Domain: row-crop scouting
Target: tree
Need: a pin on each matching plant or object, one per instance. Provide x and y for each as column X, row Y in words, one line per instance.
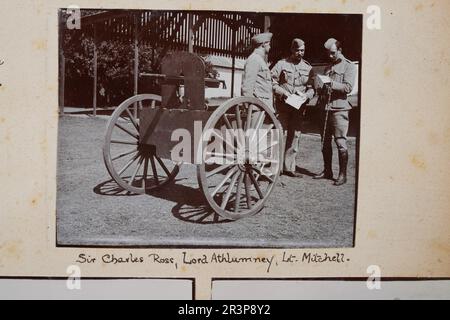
column 115, row 63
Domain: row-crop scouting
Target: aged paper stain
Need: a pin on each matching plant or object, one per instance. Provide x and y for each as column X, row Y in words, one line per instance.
column 447, row 134
column 35, row 200
column 11, row 250
column 40, row 44
column 418, row 161
column 441, row 247
column 44, row 146
column 420, row 123
column 372, row 234
column 387, row 72
column 419, row 7
column 289, row 8
column 433, row 138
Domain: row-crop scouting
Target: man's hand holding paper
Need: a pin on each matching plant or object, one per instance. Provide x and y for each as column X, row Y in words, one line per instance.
column 296, row 100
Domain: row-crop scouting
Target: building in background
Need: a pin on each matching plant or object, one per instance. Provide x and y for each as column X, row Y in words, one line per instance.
column 224, row 67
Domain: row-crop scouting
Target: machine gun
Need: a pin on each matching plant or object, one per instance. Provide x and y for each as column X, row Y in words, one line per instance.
column 183, row 81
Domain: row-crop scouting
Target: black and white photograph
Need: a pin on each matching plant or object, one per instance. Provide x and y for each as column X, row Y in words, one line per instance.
column 199, row 129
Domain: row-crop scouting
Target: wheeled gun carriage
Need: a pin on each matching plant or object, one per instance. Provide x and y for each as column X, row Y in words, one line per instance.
column 236, row 146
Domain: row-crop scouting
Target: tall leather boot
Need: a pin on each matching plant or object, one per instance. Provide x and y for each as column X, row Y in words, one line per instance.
column 327, row 173
column 343, row 161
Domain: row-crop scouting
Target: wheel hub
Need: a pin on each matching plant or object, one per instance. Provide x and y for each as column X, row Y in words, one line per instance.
column 147, row 150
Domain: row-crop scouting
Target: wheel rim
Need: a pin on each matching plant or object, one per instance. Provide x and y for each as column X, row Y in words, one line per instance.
column 237, row 181
column 134, row 166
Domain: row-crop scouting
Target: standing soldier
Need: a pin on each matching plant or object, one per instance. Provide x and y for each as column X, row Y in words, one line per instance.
column 257, row 80
column 293, row 75
column 342, row 77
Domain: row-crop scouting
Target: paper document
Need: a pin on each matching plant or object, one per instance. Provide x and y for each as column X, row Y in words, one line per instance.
column 296, row 101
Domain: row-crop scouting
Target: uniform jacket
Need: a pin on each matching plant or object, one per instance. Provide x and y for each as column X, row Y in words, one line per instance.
column 289, row 77
column 257, row 79
column 343, row 77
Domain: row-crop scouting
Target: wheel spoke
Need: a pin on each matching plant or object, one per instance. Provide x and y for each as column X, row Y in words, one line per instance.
column 133, row 119
column 234, row 129
column 124, row 142
column 266, row 132
column 264, row 136
column 155, row 173
column 220, row 185
column 221, row 156
column 144, row 177
column 258, row 125
column 240, row 128
column 161, row 163
column 229, row 190
column 218, row 170
column 233, row 149
column 127, row 131
column 260, row 120
column 238, row 192
column 216, row 160
column 128, row 164
column 248, row 125
column 255, row 183
column 227, row 122
column 238, row 117
column 248, row 195
column 269, row 161
column 259, row 172
column 273, row 144
column 133, row 177
column 124, row 155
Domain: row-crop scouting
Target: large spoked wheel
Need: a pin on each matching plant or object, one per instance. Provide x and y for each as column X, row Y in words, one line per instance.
column 242, row 149
column 134, row 166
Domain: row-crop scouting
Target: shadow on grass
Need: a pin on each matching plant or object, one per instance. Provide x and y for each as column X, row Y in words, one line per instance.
column 112, row 189
column 190, row 203
column 305, row 172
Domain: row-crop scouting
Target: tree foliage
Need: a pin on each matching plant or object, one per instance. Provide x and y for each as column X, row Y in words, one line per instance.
column 115, row 63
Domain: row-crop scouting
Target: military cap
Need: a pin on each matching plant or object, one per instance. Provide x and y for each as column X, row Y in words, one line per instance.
column 297, row 43
column 261, row 38
column 330, row 43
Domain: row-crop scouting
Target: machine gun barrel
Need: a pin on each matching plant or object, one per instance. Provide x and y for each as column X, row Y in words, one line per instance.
column 179, row 80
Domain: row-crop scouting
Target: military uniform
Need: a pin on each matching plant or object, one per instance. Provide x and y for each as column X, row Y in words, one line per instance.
column 290, row 77
column 334, row 100
column 343, row 76
column 257, row 80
